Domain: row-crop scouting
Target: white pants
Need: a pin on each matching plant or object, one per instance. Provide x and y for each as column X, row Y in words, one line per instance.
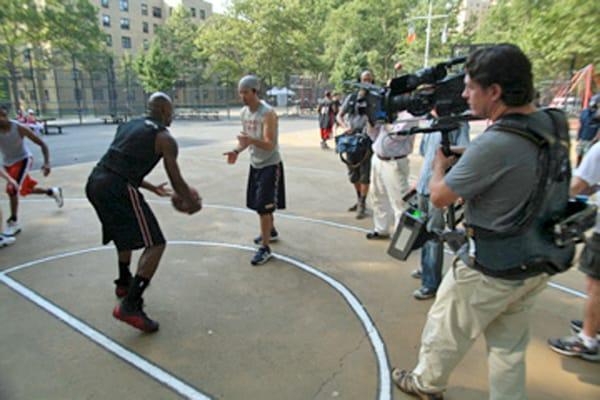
column 389, row 182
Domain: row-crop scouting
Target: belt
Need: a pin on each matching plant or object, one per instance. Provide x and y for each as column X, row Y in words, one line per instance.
column 390, row 158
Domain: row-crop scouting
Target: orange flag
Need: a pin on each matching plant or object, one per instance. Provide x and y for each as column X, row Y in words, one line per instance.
column 411, row 35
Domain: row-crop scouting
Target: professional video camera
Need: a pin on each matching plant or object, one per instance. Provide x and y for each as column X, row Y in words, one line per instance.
column 417, row 93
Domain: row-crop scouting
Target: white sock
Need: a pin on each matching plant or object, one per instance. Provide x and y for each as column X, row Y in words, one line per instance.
column 590, row 342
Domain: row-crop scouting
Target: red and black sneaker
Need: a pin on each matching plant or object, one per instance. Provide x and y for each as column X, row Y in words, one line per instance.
column 122, row 287
column 135, row 316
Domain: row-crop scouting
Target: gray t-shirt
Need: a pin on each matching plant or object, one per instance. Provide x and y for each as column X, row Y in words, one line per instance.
column 496, row 176
column 253, row 125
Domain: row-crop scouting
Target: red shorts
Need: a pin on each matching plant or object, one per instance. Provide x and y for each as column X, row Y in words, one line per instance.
column 19, row 171
column 326, row 133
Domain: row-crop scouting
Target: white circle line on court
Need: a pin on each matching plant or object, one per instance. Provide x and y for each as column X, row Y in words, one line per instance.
column 377, row 344
column 554, row 285
column 150, row 369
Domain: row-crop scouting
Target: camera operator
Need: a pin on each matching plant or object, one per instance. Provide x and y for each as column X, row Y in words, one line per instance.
column 389, row 173
column 354, row 109
column 495, row 176
column 585, row 343
column 432, row 253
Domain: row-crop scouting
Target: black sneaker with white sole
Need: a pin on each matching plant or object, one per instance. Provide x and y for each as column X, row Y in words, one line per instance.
column 577, row 326
column 274, row 237
column 263, row 254
column 573, row 346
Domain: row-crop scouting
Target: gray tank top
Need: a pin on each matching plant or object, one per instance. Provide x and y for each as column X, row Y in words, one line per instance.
column 252, row 123
column 12, row 145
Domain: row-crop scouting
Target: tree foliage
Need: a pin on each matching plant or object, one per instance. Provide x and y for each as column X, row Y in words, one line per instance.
column 552, row 33
column 155, row 69
column 176, row 40
column 272, row 39
column 52, row 26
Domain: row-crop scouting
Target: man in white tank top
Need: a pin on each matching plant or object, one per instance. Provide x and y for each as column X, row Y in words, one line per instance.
column 17, row 161
column 266, row 190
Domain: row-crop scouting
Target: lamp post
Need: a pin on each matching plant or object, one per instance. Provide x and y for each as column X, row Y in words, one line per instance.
column 429, row 17
column 27, row 54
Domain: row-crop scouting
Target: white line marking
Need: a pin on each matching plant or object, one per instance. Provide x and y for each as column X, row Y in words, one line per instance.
column 113, row 347
column 566, row 289
column 283, row 215
column 384, row 381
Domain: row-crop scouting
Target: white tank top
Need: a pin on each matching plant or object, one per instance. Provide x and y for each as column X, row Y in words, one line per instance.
column 12, row 145
column 252, row 123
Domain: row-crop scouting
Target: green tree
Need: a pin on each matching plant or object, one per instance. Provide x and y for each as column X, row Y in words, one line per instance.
column 273, row 39
column 155, row 70
column 352, row 60
column 379, row 29
column 176, row 38
column 550, row 32
column 71, row 27
column 222, row 43
column 20, row 23
column 68, row 28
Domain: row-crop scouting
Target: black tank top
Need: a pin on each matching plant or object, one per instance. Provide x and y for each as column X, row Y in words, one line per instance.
column 132, row 153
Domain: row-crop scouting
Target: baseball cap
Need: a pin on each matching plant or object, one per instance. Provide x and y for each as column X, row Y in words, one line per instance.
column 249, row 82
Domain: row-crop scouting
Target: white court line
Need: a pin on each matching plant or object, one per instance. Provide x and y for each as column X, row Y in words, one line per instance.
column 283, row 215
column 104, row 341
column 566, row 289
column 384, row 380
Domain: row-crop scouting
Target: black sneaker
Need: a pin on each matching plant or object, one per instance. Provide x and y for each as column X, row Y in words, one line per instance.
column 577, row 326
column 574, row 346
column 135, row 316
column 353, row 208
column 417, row 273
column 274, row 237
column 377, row 235
column 263, row 254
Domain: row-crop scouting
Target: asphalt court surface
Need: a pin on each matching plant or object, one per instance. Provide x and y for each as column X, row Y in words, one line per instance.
column 321, row 321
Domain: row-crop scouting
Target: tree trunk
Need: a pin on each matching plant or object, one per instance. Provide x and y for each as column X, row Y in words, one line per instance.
column 10, row 63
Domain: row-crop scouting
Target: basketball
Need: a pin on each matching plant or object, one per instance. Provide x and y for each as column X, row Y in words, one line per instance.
column 181, row 205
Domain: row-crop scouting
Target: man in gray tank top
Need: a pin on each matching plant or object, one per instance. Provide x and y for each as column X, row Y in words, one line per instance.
column 17, row 161
column 266, row 190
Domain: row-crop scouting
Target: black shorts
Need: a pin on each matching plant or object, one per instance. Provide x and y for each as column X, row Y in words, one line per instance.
column 589, row 262
column 126, row 218
column 362, row 172
column 266, row 189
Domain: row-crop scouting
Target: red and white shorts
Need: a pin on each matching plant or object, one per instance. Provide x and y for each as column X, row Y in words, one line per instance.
column 19, row 171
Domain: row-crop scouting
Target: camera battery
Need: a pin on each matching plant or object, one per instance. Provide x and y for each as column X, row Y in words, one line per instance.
column 410, row 234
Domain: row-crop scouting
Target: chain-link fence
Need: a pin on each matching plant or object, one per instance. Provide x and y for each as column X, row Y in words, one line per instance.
column 111, row 90
column 114, row 90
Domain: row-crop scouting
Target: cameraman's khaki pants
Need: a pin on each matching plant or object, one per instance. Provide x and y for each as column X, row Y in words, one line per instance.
column 468, row 304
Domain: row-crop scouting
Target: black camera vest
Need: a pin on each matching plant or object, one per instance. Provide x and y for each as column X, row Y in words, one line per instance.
column 528, row 248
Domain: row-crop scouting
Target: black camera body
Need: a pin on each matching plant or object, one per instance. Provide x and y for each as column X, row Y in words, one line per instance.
column 418, row 93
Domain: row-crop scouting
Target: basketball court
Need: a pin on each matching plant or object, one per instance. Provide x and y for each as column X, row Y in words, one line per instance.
column 327, row 318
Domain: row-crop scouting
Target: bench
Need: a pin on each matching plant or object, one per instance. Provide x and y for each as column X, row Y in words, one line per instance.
column 47, row 128
column 209, row 115
column 114, row 119
column 195, row 114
